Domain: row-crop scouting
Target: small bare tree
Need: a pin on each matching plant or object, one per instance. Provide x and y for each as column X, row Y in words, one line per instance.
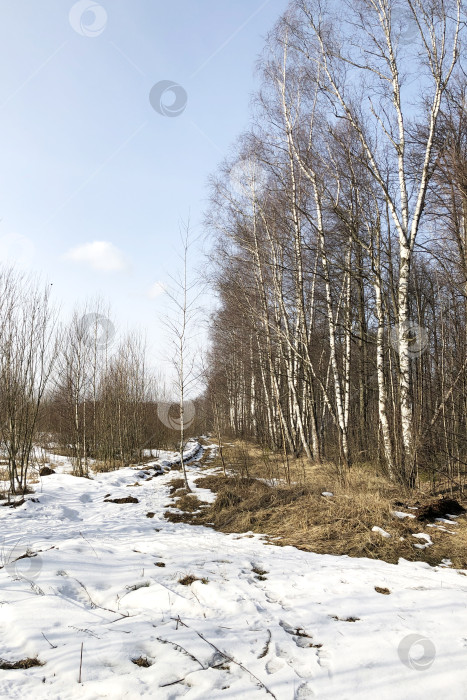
column 181, row 322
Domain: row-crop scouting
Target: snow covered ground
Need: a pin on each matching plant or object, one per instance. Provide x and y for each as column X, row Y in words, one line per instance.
column 261, row 621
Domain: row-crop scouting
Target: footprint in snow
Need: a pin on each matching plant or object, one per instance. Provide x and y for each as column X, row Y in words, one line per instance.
column 70, row 513
column 302, row 665
column 85, row 498
column 304, row 691
column 73, row 591
column 274, row 665
column 323, row 660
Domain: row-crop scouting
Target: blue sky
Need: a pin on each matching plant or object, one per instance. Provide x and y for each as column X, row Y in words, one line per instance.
column 94, row 181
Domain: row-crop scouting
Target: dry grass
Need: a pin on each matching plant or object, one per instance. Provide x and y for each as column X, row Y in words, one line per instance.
column 176, row 484
column 185, row 502
column 104, row 467
column 300, row 516
column 21, row 664
column 188, row 580
column 128, row 499
column 142, row 662
column 188, row 503
column 383, row 591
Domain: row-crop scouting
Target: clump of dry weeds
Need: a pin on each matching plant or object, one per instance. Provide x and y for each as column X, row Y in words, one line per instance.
column 21, row 664
column 189, row 579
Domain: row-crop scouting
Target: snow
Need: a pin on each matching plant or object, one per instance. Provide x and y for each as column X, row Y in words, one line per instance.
column 423, row 536
column 400, row 514
column 446, row 520
column 166, row 459
column 327, row 493
column 382, row 532
column 307, row 626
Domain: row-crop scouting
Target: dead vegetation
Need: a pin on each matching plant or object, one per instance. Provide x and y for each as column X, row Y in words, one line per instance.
column 142, row 662
column 189, row 579
column 21, row 664
column 383, row 591
column 185, row 502
column 439, row 509
column 176, row 485
column 128, row 499
column 256, row 497
column 46, row 471
column 103, row 467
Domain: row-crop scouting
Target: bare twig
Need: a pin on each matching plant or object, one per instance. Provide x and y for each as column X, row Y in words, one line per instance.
column 54, row 646
column 80, row 663
column 226, row 656
column 178, row 647
column 266, row 647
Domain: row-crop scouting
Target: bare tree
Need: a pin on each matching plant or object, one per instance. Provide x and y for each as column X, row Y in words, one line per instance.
column 181, row 324
column 28, row 348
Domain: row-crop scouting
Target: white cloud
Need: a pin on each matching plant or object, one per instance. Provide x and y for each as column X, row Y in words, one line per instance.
column 156, row 290
column 100, row 255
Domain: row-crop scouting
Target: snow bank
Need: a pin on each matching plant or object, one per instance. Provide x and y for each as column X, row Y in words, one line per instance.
column 257, row 621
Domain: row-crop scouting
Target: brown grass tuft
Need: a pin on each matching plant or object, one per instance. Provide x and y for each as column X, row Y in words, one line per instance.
column 21, row 664
column 188, row 580
column 142, row 662
column 176, row 484
column 128, row 499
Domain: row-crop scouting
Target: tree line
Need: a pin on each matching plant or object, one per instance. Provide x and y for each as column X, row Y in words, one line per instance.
column 75, row 388
column 340, row 243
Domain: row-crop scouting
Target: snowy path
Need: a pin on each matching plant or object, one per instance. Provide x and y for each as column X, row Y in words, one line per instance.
column 288, row 626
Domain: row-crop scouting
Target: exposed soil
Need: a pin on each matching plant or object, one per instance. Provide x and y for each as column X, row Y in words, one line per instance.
column 439, row 509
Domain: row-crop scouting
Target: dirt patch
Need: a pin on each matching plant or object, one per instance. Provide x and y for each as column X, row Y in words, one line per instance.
column 128, row 499
column 150, row 515
column 439, row 509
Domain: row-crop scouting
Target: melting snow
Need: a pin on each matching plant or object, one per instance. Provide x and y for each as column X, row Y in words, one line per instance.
column 105, row 578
